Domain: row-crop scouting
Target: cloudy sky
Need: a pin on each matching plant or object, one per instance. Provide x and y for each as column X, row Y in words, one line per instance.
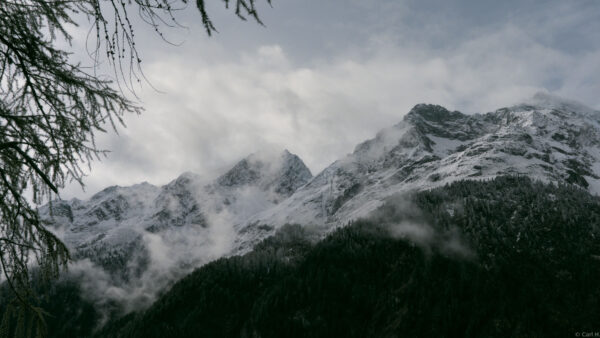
column 323, row 76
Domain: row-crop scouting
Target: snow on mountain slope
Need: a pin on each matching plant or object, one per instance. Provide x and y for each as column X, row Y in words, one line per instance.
column 140, row 233
column 547, row 138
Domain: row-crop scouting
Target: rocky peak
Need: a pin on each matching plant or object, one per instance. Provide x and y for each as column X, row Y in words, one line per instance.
column 283, row 172
column 439, row 121
column 432, row 113
column 104, row 193
column 185, row 181
column 292, row 174
column 244, row 172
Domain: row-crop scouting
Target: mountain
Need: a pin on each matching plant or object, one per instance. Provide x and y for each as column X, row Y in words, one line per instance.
column 507, row 257
column 497, row 210
column 546, row 138
column 143, row 233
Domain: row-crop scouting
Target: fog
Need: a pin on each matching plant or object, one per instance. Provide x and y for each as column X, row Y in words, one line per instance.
column 202, row 223
column 404, row 220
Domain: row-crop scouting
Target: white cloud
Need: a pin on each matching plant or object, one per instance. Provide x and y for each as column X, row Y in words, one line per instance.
column 213, row 111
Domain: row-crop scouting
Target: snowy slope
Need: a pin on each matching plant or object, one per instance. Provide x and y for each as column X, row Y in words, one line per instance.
column 547, row 138
column 143, row 232
column 188, row 221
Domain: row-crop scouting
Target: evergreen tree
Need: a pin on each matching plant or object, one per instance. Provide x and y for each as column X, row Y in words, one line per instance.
column 50, row 110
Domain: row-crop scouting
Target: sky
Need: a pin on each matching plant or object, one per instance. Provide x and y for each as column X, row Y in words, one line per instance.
column 323, row 76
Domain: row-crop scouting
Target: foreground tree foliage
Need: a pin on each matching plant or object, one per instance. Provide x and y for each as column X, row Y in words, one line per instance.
column 502, row 258
column 50, row 109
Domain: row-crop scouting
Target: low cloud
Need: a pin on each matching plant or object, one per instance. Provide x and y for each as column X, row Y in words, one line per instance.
column 157, row 256
column 403, row 219
column 449, row 243
column 163, row 259
column 421, row 234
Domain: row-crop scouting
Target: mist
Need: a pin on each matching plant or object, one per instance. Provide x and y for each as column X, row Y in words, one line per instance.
column 160, row 234
column 404, row 220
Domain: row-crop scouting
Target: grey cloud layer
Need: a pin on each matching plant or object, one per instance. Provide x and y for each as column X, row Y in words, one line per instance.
column 251, row 87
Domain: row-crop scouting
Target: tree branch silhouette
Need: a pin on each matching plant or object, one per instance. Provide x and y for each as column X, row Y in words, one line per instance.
column 50, row 111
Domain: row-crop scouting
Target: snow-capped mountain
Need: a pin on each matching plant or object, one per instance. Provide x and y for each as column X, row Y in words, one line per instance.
column 117, row 227
column 143, row 229
column 547, row 138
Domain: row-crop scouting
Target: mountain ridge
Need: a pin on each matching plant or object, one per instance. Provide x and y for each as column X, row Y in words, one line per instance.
column 433, row 146
column 545, row 138
column 187, row 221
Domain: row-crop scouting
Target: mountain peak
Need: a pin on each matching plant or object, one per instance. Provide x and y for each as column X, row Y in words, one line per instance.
column 293, row 174
column 282, row 171
column 244, row 172
column 432, row 113
column 105, row 192
column 430, row 119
